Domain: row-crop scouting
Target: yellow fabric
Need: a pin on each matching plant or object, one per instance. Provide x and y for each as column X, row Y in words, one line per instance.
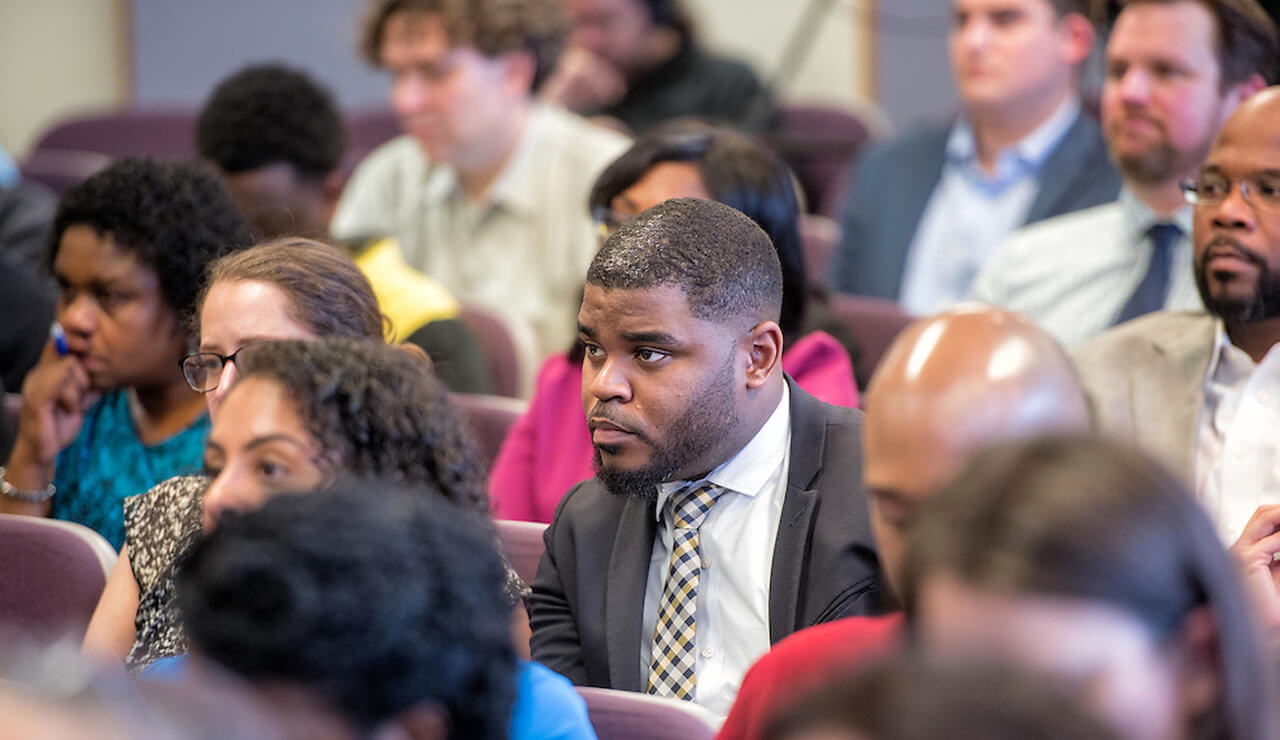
column 407, row 297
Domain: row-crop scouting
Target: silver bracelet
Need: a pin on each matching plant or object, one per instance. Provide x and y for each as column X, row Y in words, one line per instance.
column 32, row 497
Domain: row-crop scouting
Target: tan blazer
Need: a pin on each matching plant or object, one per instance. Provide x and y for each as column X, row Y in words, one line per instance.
column 1145, row 383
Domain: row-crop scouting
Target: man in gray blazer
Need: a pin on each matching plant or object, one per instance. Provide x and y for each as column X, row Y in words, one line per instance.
column 1202, row 391
column 925, row 210
column 727, row 509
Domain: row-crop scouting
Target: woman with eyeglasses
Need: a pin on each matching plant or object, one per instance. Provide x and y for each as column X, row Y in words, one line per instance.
column 548, row 449
column 105, row 412
column 286, row 289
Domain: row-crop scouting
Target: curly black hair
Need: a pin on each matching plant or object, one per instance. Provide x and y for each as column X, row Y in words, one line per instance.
column 379, row 410
column 269, row 113
column 174, row 217
column 376, row 597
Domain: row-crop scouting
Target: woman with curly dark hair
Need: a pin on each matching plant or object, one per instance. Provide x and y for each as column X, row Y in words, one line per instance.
column 105, row 414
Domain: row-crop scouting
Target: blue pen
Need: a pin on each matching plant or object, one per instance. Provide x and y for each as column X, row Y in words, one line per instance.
column 59, row 338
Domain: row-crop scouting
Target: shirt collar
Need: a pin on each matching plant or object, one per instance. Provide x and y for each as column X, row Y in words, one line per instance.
column 1031, row 150
column 749, row 471
column 1234, row 362
column 1139, row 218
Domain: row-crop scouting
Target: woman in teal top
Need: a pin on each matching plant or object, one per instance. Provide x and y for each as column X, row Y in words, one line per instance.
column 106, row 413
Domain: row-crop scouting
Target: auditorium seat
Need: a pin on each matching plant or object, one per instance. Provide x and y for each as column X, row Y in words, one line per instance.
column 627, row 715
column 820, row 141
column 500, row 346
column 874, row 323
column 523, row 545
column 490, row 417
column 51, row 576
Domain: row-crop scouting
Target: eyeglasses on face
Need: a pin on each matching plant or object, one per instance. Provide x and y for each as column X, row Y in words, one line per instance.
column 203, row 370
column 1212, row 188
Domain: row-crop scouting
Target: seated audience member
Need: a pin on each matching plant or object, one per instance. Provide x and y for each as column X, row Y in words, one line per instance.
column 26, row 213
column 1176, row 69
column 107, row 414
column 913, row 699
column 1198, row 390
column 1085, row 560
column 277, row 137
column 485, row 190
column 27, row 313
column 638, row 62
column 288, row 289
column 314, row 408
column 411, row 634
column 948, row 386
column 927, row 210
column 549, row 448
column 727, row 509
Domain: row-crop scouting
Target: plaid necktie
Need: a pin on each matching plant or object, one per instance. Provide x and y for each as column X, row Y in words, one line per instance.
column 672, row 662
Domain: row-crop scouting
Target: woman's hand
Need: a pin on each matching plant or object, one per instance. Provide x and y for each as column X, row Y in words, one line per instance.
column 55, row 396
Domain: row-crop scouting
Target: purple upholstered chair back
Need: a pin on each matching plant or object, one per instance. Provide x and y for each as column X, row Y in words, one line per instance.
column 523, row 545
column 874, row 322
column 819, row 141
column 499, row 346
column 625, row 715
column 51, row 575
column 367, row 129
column 490, row 417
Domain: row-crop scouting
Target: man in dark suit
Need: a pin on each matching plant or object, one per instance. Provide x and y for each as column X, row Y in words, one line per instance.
column 728, row 509
column 926, row 210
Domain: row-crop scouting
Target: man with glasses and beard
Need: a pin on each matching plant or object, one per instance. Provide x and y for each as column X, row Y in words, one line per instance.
column 1203, row 391
column 727, row 509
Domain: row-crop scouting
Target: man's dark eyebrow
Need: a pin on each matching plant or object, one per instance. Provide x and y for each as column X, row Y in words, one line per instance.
column 650, row 337
column 586, row 331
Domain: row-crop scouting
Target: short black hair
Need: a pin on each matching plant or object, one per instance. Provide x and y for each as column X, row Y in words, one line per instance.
column 379, row 410
column 174, row 217
column 722, row 260
column 376, row 597
column 737, row 171
column 270, row 113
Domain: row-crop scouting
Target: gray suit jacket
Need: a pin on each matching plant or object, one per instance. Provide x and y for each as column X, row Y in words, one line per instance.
column 892, row 183
column 588, row 597
column 1145, row 383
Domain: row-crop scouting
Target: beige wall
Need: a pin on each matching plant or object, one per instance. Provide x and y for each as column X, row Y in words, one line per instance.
column 56, row 57
column 838, row 66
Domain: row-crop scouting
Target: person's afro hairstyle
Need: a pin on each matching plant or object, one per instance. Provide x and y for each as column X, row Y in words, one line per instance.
column 270, row 113
column 376, row 410
column 173, row 217
column 374, row 596
column 720, row 258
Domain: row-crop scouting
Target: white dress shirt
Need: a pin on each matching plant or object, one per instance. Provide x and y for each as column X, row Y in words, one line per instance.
column 523, row 250
column 1237, row 445
column 1073, row 274
column 736, row 540
column 970, row 211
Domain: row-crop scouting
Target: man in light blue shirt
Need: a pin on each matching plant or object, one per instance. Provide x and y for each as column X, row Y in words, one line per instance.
column 927, row 209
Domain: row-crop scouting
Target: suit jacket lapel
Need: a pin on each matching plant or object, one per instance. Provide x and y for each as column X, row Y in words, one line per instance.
column 918, row 179
column 624, row 592
column 808, row 438
column 1167, row 392
column 1063, row 167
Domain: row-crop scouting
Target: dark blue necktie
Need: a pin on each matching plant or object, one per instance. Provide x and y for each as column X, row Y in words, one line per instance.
column 1153, row 290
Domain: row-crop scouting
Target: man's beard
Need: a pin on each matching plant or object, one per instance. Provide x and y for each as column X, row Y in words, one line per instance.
column 710, row 416
column 1265, row 302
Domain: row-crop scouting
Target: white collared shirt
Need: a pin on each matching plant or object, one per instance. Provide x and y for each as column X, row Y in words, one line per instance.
column 736, row 540
column 523, row 250
column 1237, row 445
column 970, row 212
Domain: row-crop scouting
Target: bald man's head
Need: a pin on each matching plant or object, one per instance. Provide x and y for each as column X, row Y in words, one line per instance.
column 950, row 385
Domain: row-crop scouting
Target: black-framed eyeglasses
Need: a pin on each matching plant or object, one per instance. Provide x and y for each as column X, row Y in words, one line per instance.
column 608, row 220
column 1211, row 188
column 203, row 370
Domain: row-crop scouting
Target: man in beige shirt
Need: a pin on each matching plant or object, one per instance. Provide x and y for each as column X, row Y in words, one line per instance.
column 487, row 189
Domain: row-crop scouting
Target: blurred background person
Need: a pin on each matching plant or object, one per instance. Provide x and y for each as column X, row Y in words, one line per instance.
column 1086, row 560
column 277, row 137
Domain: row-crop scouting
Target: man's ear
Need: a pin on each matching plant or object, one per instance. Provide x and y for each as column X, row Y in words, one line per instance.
column 425, row 721
column 1198, row 662
column 764, row 353
column 519, row 68
column 1077, row 38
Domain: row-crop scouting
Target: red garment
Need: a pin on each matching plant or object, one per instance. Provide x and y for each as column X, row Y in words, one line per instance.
column 803, row 662
column 548, row 449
